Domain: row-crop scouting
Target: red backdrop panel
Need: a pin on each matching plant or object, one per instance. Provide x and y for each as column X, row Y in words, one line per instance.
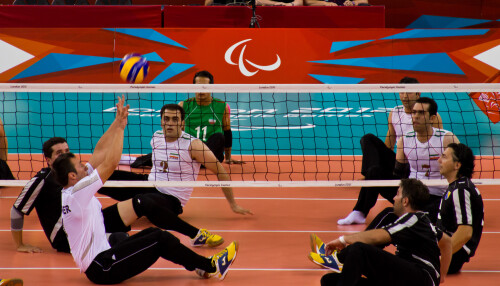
column 14, row 16
column 210, row 49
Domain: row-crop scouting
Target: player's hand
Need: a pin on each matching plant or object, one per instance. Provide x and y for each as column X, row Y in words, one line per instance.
column 240, row 210
column 122, row 111
column 348, row 3
column 330, row 4
column 232, row 161
column 29, row 249
column 333, row 245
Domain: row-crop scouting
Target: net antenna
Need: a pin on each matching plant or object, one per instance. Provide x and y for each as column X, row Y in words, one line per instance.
column 290, row 135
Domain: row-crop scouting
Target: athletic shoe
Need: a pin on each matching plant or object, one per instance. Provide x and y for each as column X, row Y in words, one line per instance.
column 221, row 261
column 326, row 261
column 204, row 237
column 317, row 245
column 11, row 282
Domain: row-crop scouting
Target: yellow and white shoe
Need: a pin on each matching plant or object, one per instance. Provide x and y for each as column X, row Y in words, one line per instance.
column 326, row 261
column 204, row 237
column 221, row 261
column 317, row 245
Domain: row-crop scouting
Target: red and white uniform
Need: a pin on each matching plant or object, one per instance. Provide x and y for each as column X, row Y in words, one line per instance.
column 172, row 162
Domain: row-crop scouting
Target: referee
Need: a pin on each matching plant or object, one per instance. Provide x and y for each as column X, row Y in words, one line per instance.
column 417, row 257
column 461, row 214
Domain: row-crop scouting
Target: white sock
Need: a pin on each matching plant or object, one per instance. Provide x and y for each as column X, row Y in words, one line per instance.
column 127, row 160
column 355, row 217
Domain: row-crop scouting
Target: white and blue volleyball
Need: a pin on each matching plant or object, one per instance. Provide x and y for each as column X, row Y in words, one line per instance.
column 134, row 68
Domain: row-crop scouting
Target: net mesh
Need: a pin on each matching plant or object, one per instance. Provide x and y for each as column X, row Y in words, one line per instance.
column 297, row 133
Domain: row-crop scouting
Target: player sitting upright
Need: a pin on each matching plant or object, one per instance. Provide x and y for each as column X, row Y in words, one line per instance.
column 103, row 261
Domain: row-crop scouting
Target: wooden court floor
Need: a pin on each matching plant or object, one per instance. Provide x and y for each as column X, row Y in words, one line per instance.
column 274, row 243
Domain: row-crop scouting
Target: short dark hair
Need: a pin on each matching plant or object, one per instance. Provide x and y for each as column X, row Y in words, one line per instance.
column 463, row 154
column 416, row 192
column 433, row 107
column 47, row 145
column 62, row 166
column 173, row 106
column 408, row 79
column 204, row 74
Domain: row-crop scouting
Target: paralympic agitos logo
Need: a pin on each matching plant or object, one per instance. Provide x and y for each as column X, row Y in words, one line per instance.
column 241, row 60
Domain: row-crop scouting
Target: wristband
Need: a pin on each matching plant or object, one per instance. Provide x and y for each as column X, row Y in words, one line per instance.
column 342, row 240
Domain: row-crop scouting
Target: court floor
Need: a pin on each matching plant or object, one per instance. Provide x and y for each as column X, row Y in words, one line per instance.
column 274, row 243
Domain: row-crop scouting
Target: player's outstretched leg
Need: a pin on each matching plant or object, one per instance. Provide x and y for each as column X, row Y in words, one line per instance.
column 222, row 261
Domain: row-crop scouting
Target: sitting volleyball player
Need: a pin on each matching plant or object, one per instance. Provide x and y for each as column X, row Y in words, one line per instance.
column 177, row 156
column 418, row 150
column 379, row 157
column 461, row 213
column 417, row 262
column 110, row 263
column 43, row 194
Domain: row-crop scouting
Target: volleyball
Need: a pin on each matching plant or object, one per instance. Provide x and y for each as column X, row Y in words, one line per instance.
column 134, row 68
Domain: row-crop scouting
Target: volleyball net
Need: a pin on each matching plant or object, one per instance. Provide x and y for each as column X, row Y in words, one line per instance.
column 288, row 135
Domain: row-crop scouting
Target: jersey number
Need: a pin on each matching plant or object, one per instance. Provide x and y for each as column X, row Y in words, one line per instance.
column 204, row 129
column 164, row 165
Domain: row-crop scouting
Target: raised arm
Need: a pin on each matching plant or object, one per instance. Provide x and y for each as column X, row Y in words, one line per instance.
column 200, row 152
column 113, row 150
column 101, row 148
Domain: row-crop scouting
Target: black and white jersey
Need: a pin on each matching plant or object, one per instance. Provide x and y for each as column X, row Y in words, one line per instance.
column 44, row 194
column 416, row 240
column 462, row 204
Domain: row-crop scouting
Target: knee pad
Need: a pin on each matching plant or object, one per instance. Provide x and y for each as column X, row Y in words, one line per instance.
column 117, row 237
column 366, row 138
column 112, row 220
column 136, row 203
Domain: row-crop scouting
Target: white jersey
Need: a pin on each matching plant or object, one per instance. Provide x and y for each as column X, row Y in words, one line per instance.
column 401, row 121
column 83, row 220
column 423, row 157
column 172, row 162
